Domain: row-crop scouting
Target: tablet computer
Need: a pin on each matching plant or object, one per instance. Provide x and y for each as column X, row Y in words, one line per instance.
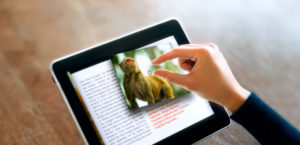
column 90, row 83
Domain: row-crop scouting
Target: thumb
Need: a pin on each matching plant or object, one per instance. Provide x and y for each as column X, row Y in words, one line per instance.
column 172, row 77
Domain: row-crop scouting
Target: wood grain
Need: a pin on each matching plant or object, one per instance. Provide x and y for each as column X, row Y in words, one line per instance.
column 259, row 39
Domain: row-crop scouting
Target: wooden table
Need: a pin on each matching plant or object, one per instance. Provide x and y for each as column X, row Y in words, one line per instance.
column 259, row 39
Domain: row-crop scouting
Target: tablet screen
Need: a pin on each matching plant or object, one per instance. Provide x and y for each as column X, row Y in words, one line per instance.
column 134, row 71
column 101, row 95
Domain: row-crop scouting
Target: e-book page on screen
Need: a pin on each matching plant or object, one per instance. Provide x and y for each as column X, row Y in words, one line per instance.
column 102, row 91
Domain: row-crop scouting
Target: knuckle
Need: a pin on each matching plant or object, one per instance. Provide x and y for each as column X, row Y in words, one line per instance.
column 213, row 46
column 176, row 50
column 204, row 50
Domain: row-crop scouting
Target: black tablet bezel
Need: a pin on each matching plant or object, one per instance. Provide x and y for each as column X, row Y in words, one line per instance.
column 102, row 52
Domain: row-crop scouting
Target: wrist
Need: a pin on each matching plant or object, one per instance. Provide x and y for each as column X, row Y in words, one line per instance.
column 236, row 99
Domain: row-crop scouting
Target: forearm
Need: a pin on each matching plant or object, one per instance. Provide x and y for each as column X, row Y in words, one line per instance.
column 267, row 126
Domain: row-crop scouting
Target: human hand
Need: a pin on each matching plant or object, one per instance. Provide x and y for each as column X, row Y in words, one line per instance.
column 209, row 74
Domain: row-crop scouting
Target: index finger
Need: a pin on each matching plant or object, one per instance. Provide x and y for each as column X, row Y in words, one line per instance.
column 180, row 52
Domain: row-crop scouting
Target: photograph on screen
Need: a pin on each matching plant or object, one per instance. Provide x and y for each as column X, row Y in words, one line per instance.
column 139, row 85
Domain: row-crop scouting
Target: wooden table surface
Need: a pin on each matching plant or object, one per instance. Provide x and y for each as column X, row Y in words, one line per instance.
column 260, row 39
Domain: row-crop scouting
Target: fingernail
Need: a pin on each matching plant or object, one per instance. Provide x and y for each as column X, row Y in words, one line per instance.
column 153, row 61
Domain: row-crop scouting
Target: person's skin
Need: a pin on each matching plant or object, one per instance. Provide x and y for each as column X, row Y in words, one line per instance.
column 209, row 74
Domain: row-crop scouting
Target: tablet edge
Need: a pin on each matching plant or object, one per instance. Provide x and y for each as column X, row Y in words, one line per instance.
column 67, row 103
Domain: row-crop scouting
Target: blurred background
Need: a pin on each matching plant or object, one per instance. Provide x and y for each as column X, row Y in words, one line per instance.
column 260, row 40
